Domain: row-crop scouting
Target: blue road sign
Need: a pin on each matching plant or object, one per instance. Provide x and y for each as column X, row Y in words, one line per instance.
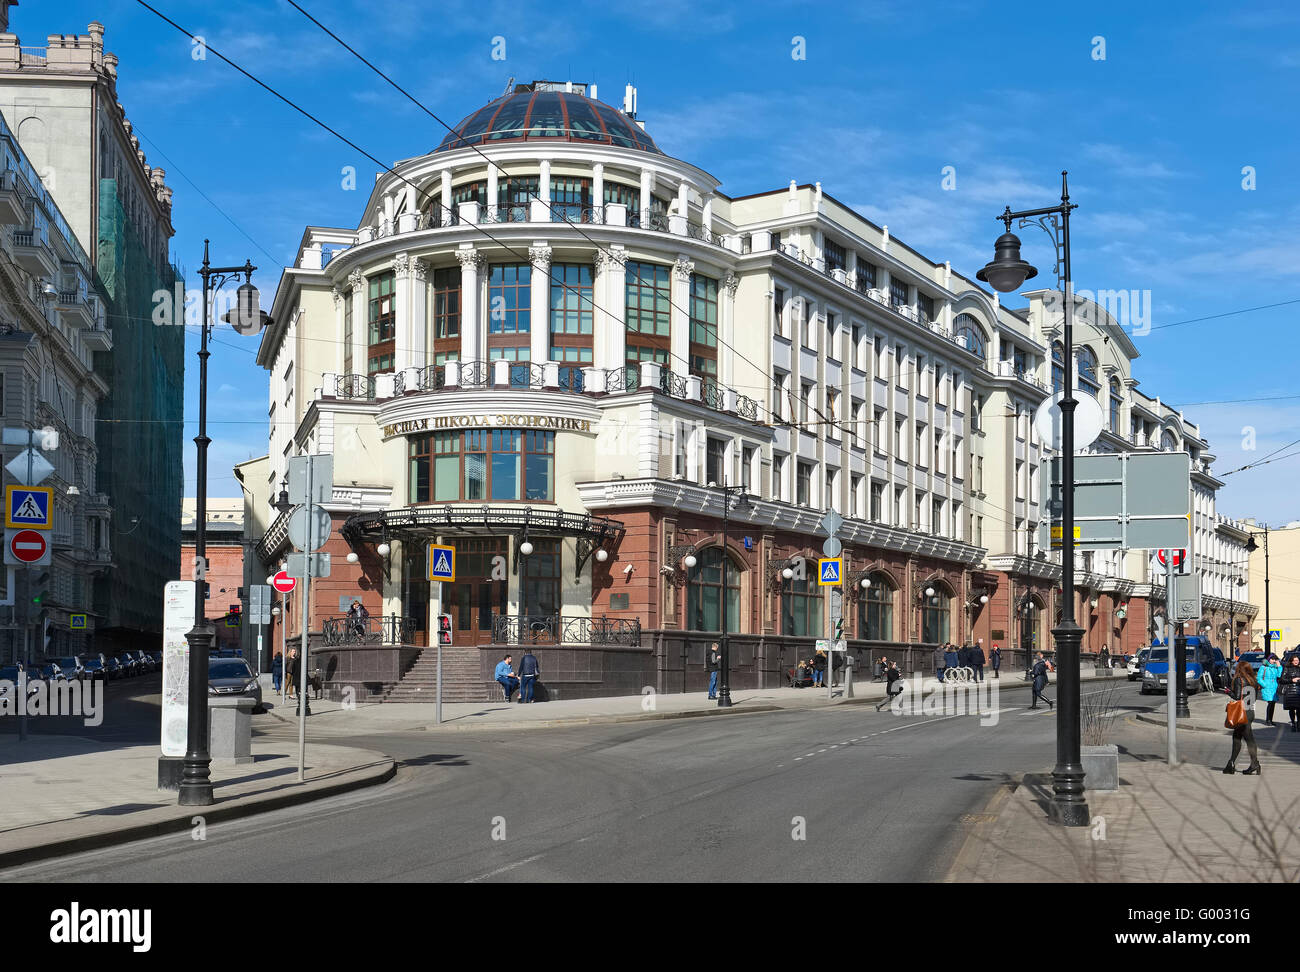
column 442, row 563
column 77, row 622
column 828, row 570
column 27, row 506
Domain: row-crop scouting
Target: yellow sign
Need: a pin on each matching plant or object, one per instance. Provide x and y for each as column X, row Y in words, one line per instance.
column 441, row 563
column 28, row 506
column 1058, row 533
column 829, row 570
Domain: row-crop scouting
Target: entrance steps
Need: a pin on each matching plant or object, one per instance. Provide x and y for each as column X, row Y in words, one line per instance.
column 461, row 678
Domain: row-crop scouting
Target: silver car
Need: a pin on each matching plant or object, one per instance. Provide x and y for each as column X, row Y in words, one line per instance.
column 232, row 676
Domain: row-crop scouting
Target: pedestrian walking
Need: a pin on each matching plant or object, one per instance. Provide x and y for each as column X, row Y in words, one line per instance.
column 819, row 670
column 291, row 673
column 951, row 657
column 995, row 659
column 939, row 662
column 277, row 671
column 1245, row 689
column 977, row 660
column 1039, row 673
column 529, row 669
column 715, row 666
column 1268, row 675
column 505, row 676
column 882, row 668
column 892, row 677
column 1289, row 684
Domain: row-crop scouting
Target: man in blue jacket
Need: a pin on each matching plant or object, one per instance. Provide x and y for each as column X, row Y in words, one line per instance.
column 529, row 669
column 951, row 658
column 505, row 674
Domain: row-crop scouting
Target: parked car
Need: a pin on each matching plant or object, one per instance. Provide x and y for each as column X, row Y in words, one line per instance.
column 1255, row 658
column 62, row 669
column 130, row 664
column 1135, row 665
column 1202, row 659
column 94, row 667
column 232, row 676
column 156, row 657
column 112, row 668
column 9, row 673
column 144, row 663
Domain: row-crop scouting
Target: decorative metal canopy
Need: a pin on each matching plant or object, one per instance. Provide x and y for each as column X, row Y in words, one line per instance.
column 417, row 523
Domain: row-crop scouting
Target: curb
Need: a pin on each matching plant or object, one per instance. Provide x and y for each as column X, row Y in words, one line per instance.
column 179, row 818
column 1156, row 720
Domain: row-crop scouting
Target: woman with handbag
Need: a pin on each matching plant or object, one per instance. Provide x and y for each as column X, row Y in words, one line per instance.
column 1241, row 712
column 1267, row 675
column 1289, row 684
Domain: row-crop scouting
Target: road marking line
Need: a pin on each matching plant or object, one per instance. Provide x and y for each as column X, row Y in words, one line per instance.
column 508, row 867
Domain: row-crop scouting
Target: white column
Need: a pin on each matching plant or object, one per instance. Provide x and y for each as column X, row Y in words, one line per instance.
column 609, row 324
column 683, row 199
column 647, row 188
column 402, row 311
column 707, row 217
column 598, row 187
column 471, row 321
column 338, row 328
column 539, row 322
column 544, row 181
column 419, row 351
column 727, row 330
column 492, row 195
column 679, row 358
column 445, row 214
column 360, row 323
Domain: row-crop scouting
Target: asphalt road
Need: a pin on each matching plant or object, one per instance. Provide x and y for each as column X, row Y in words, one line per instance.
column 881, row 797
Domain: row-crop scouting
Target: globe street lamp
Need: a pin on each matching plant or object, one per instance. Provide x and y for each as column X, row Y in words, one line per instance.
column 247, row 318
column 1005, row 273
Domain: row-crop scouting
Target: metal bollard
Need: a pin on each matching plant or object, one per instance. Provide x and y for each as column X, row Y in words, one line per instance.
column 848, row 675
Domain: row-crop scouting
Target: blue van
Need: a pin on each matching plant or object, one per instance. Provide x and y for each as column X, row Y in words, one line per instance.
column 1205, row 663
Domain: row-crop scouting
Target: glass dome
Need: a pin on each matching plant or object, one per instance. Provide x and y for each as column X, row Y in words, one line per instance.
column 525, row 115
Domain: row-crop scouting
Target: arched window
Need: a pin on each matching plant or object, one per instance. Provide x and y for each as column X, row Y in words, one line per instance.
column 801, row 607
column 1088, row 371
column 876, row 609
column 704, row 593
column 1116, row 399
column 1168, row 441
column 969, row 334
column 935, row 609
column 1058, row 366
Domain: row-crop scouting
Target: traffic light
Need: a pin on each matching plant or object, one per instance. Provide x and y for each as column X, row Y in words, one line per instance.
column 444, row 629
column 47, row 639
column 839, row 629
column 207, row 590
column 40, row 589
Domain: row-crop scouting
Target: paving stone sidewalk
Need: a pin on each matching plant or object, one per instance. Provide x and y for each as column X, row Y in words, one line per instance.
column 1191, row 823
column 71, row 793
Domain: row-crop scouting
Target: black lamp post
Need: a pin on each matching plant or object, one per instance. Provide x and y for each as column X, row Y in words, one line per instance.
column 1005, row 273
column 1252, row 546
column 247, row 318
column 724, row 688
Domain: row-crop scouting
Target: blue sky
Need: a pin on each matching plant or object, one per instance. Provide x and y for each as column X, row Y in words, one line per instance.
column 1155, row 136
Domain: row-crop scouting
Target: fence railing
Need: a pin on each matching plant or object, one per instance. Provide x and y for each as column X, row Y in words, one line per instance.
column 390, row 629
column 554, row 629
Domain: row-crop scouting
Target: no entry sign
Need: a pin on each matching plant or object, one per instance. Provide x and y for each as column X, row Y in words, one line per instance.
column 1162, row 555
column 26, row 548
column 283, row 583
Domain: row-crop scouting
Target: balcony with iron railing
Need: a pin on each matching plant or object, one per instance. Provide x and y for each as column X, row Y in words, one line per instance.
column 555, row 629
column 539, row 376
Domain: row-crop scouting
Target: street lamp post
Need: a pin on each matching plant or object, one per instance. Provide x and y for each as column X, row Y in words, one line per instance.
column 1252, row 546
column 247, row 318
column 724, row 688
column 1005, row 273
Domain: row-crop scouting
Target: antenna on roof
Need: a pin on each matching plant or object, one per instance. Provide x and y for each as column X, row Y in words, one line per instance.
column 508, row 85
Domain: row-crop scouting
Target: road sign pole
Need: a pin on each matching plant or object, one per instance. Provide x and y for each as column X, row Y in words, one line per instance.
column 435, row 630
column 306, row 621
column 1171, row 698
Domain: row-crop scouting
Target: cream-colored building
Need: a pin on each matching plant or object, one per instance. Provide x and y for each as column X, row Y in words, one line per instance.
column 1283, row 588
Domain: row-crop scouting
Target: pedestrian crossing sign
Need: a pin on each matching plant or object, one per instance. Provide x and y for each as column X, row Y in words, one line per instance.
column 828, row 570
column 27, row 506
column 77, row 622
column 442, row 563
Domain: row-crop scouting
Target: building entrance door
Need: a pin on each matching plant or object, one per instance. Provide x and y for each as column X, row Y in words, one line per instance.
column 479, row 590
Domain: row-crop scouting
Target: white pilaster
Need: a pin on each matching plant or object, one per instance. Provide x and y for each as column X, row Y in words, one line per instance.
column 402, row 311
column 598, row 187
column 727, row 329
column 647, row 188
column 492, row 188
column 445, row 214
column 609, row 325
column 539, row 323
column 360, row 324
column 471, row 321
column 544, row 181
column 680, row 335
column 419, row 315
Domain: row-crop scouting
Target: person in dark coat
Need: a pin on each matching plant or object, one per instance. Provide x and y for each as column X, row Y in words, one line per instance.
column 1039, row 674
column 529, row 669
column 715, row 666
column 940, row 662
column 951, row 656
column 819, row 670
column 1288, row 684
column 892, row 677
column 277, row 671
column 1245, row 687
column 995, row 659
column 977, row 659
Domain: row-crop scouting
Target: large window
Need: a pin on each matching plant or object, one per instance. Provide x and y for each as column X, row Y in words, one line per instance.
column 347, row 333
column 1116, row 400
column 801, row 607
column 876, row 610
column 969, row 334
column 835, row 257
column 704, row 329
column 1058, row 366
column 446, row 315
column 482, row 465
column 541, row 578
column 509, row 313
column 925, row 305
column 649, row 314
column 570, row 199
column 934, row 616
column 571, row 317
column 628, row 196
column 1088, row 371
column 704, row 593
column 897, row 292
column 382, row 318
column 514, row 198
column 803, row 485
column 866, row 274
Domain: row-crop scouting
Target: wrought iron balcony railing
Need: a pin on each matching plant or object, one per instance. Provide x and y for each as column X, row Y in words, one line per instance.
column 390, row 629
column 554, row 629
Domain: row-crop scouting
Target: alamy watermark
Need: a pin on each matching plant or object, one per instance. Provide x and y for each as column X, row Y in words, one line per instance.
column 917, row 695
column 74, row 697
column 1130, row 309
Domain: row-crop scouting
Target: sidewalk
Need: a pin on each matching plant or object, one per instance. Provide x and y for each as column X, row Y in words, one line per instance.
column 1191, row 823
column 333, row 719
column 65, row 794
